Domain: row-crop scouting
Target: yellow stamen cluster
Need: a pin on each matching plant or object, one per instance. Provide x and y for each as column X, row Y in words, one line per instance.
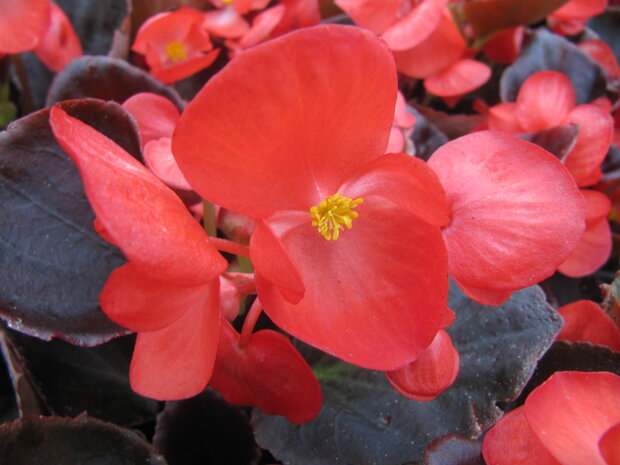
column 333, row 213
column 176, row 51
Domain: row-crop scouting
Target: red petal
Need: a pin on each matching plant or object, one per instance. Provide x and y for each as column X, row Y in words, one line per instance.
column 142, row 216
column 580, row 9
column 442, row 48
column 505, row 46
column 375, row 297
column 23, row 24
column 544, row 100
column 593, row 141
column 516, row 212
column 603, row 54
column 431, row 373
column 415, row 26
column 176, row 362
column 298, row 14
column 595, row 244
column 185, row 68
column 269, row 373
column 585, row 321
column 407, row 182
column 485, row 296
column 376, row 15
column 268, row 254
column 262, row 26
column 609, row 445
column 60, row 44
column 156, row 115
column 502, row 117
column 329, row 111
column 158, row 157
column 571, row 411
column 459, row 78
column 225, row 22
column 138, row 302
column 512, row 442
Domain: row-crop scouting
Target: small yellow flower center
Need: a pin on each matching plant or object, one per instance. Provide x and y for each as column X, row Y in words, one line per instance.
column 333, row 213
column 176, row 51
column 227, row 1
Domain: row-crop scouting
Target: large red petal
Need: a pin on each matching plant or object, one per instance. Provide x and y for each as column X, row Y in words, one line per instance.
column 544, row 100
column 375, row 297
column 516, row 212
column 585, row 321
column 512, row 442
column 376, row 15
column 156, row 115
column 23, row 24
column 407, row 181
column 60, row 44
column 442, row 48
column 142, row 216
column 596, row 128
column 269, row 374
column 177, row 362
column 415, row 26
column 571, row 411
column 262, row 144
column 431, row 373
column 138, row 302
column 459, row 78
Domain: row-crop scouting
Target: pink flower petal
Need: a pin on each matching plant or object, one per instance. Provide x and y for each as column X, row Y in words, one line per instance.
column 609, row 445
column 376, row 15
column 585, row 321
column 516, row 212
column 459, row 78
column 415, row 26
column 60, row 44
column 158, row 157
column 225, row 22
column 156, row 115
column 23, row 24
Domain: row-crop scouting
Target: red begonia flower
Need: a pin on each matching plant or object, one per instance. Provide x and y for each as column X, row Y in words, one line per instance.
column 168, row 292
column 585, row 321
column 348, row 256
column 268, row 373
column 594, row 246
column 505, row 46
column 23, row 24
column 561, row 422
column 60, row 44
column 431, row 373
column 603, row 54
column 516, row 213
column 174, row 44
column 609, row 445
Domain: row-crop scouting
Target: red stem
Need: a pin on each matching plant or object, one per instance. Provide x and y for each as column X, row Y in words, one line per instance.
column 229, row 246
column 250, row 321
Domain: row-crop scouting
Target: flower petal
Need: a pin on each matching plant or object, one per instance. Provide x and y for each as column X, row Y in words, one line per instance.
column 585, row 321
column 156, row 115
column 512, row 442
column 60, row 44
column 415, row 26
column 177, row 362
column 609, row 445
column 376, row 15
column 375, row 297
column 407, row 182
column 431, row 373
column 595, row 136
column 459, row 78
column 516, row 212
column 502, row 117
column 158, row 157
column 269, row 374
column 288, row 142
column 184, row 68
column 138, row 302
column 142, row 216
column 580, row 9
column 571, row 411
column 544, row 100
column 23, row 24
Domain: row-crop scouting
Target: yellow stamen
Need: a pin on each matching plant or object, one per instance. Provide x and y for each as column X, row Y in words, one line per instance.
column 227, row 1
column 176, row 51
column 331, row 214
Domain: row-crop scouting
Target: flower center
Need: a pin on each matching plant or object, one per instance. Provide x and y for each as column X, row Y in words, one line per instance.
column 176, row 51
column 333, row 213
